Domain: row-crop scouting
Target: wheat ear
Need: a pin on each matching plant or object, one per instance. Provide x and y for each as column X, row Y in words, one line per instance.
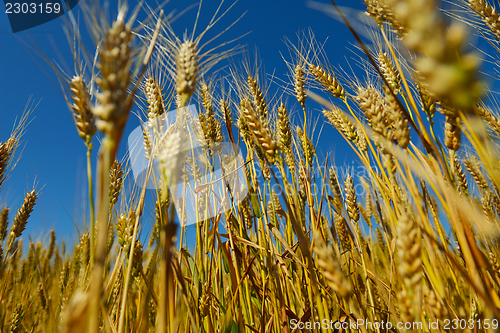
column 260, row 129
column 328, row 81
column 22, row 217
column 330, row 268
column 187, row 70
column 4, row 222
column 6, row 149
column 299, row 82
column 115, row 61
column 488, row 14
column 84, row 119
column 258, row 96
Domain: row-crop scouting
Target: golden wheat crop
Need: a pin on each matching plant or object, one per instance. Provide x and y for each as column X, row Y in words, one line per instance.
column 412, row 245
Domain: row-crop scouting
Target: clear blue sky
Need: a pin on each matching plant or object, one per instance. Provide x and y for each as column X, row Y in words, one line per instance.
column 54, row 155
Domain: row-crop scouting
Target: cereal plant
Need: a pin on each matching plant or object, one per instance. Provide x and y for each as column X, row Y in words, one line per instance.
column 283, row 240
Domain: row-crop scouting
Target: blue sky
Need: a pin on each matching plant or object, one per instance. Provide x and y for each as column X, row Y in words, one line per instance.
column 53, row 155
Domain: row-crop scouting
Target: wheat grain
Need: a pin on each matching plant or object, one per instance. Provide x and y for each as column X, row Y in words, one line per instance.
column 488, row 208
column 474, row 168
column 380, row 12
column 299, row 81
column 84, row 119
column 187, row 70
column 370, row 101
column 494, row 262
column 452, row 79
column 327, row 81
column 409, row 251
column 258, row 97
column 284, row 136
column 452, row 133
column 428, row 102
column 488, row 14
column 137, row 260
column 4, row 222
column 115, row 182
column 6, row 149
column 460, row 175
column 75, row 312
column 211, row 127
column 52, row 244
column 342, row 231
column 389, row 71
column 491, row 120
column 395, row 116
column 43, row 299
column 226, row 111
column 259, row 127
column 330, row 268
column 338, row 119
column 351, row 199
column 155, row 99
column 334, row 183
column 22, row 216
column 124, row 230
column 17, row 318
column 307, row 146
column 437, row 307
column 205, row 299
column 64, row 277
column 115, row 61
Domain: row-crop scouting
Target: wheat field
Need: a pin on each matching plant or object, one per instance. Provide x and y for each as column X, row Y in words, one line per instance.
column 288, row 242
